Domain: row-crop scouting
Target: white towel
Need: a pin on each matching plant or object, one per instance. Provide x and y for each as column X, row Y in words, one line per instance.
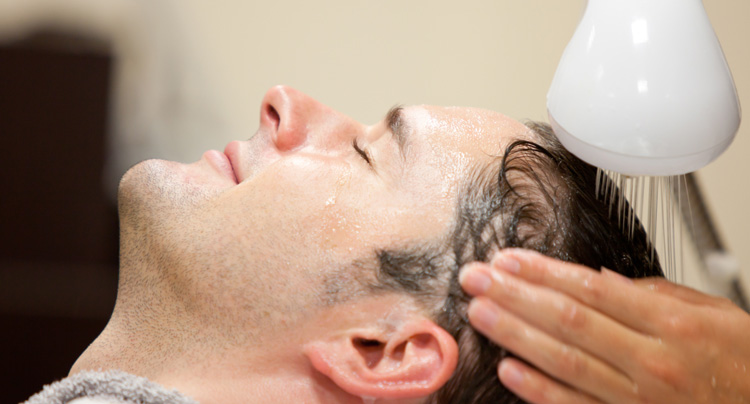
column 110, row 387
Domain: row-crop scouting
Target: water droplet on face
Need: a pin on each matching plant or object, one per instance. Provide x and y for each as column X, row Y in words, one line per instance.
column 713, row 381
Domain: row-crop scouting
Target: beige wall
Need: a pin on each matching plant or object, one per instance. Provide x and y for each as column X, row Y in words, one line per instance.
column 361, row 57
column 726, row 181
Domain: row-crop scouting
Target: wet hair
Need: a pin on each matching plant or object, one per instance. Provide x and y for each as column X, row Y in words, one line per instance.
column 537, row 195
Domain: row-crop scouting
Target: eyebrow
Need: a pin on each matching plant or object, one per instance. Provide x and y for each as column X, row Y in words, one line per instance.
column 395, row 121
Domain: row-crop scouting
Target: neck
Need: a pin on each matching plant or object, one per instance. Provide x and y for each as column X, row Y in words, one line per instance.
column 268, row 378
column 258, row 375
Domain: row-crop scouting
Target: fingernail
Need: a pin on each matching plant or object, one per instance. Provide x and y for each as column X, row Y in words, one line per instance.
column 474, row 280
column 510, row 375
column 614, row 275
column 508, row 264
column 485, row 314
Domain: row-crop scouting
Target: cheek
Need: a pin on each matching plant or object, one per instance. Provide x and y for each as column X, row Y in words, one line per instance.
column 295, row 199
column 298, row 183
column 355, row 216
column 354, row 225
column 392, row 221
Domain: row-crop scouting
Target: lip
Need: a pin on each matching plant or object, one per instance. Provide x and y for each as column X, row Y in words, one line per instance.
column 232, row 153
column 221, row 163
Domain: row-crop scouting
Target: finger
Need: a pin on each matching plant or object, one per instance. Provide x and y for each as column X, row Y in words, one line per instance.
column 562, row 317
column 684, row 293
column 534, row 387
column 563, row 362
column 608, row 273
column 633, row 306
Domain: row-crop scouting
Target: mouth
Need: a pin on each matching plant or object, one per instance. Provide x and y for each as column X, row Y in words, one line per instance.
column 222, row 163
column 232, row 154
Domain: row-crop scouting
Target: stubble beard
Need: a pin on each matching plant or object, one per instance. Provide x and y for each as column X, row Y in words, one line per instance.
column 175, row 259
column 155, row 209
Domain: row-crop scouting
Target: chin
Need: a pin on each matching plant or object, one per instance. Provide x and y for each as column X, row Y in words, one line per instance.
column 138, row 186
column 168, row 185
column 149, row 191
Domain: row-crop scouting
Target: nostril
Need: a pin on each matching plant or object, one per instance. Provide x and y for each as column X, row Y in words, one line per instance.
column 272, row 115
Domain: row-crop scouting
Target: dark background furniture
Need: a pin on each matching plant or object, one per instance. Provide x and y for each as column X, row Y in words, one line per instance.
column 58, row 228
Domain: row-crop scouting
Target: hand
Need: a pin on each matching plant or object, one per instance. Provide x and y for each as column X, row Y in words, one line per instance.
column 602, row 338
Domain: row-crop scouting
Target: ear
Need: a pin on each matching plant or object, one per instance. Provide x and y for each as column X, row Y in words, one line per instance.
column 413, row 361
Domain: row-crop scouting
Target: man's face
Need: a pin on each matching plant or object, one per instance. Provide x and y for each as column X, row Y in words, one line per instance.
column 262, row 228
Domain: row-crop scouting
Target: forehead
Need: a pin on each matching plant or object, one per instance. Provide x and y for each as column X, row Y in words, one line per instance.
column 471, row 132
column 442, row 146
column 451, row 140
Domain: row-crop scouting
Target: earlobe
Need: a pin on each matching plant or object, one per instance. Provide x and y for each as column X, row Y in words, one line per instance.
column 414, row 361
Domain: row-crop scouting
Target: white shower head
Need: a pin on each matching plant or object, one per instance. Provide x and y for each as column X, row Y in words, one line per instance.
column 643, row 88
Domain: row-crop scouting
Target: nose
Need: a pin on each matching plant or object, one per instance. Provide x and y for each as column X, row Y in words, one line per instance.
column 295, row 119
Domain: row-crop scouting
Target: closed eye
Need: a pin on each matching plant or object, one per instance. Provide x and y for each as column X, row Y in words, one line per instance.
column 361, row 152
